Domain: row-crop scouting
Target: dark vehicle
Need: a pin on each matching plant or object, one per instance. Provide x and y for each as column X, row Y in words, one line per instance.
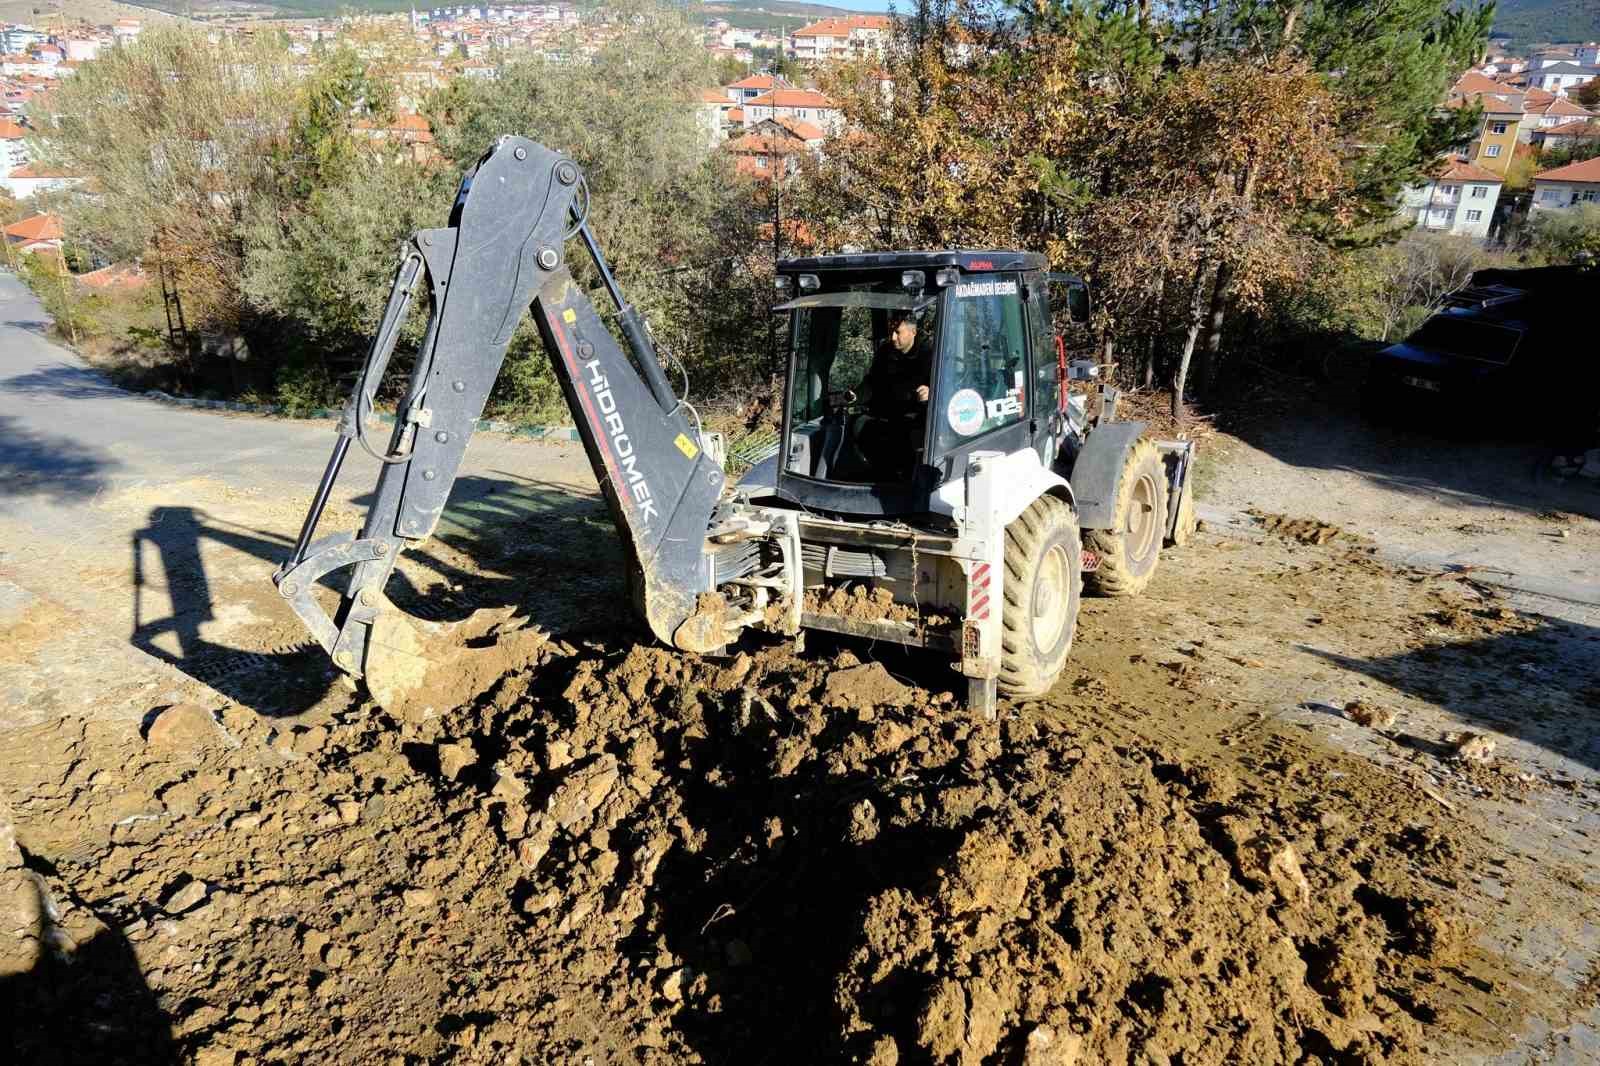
column 1507, row 333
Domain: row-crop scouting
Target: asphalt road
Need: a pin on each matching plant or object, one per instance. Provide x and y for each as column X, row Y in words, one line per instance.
column 150, row 530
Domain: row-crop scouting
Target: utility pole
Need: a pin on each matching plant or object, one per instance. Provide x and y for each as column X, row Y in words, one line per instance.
column 777, row 219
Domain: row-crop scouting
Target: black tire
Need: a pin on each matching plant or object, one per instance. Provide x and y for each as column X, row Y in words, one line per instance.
column 1130, row 550
column 1043, row 584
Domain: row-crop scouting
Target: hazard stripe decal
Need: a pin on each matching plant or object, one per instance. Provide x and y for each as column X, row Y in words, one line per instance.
column 978, row 592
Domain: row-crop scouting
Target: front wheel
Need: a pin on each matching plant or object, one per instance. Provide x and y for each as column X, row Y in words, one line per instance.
column 1043, row 583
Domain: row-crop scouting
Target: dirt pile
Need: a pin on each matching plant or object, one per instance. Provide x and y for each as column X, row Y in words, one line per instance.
column 859, row 603
column 631, row 855
column 1304, row 530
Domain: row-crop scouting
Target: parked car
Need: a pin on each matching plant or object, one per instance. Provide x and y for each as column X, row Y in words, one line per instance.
column 1520, row 340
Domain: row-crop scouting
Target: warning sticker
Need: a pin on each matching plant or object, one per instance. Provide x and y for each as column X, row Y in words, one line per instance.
column 569, row 316
column 686, row 446
column 986, row 288
column 964, row 412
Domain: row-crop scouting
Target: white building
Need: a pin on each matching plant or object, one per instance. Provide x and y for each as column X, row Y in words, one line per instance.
column 1459, row 200
column 1568, row 186
column 13, row 149
column 852, row 37
column 804, row 105
column 30, row 178
column 1562, row 75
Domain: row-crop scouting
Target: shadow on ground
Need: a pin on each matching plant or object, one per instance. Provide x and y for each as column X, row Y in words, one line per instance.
column 1469, row 457
column 63, row 382
column 57, row 469
column 1541, row 686
column 81, row 1003
column 504, row 542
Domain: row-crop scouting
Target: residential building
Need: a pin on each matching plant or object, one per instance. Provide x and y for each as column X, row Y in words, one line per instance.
column 1459, row 199
column 1568, row 186
column 1496, row 139
column 118, row 277
column 767, row 151
column 746, row 89
column 712, row 109
column 409, row 133
column 36, row 234
column 850, row 37
column 1562, row 75
column 1566, row 135
column 806, row 105
column 1561, row 111
column 30, row 178
column 13, row 148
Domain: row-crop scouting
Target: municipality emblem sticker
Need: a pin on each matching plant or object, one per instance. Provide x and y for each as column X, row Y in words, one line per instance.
column 964, row 412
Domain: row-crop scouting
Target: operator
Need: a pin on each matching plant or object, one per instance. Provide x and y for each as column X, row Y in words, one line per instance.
column 896, row 385
column 896, row 394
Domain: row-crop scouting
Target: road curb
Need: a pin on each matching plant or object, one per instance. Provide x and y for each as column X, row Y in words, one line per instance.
column 538, row 432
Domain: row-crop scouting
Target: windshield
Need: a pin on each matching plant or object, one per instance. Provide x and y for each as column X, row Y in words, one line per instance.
column 862, row 380
column 983, row 376
column 1469, row 337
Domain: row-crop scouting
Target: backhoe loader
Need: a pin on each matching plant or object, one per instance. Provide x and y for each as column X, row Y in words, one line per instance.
column 947, row 492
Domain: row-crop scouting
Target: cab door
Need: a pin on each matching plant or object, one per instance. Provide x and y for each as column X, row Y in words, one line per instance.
column 981, row 401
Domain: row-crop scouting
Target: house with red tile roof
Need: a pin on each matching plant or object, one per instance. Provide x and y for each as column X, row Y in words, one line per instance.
column 118, row 277
column 13, row 147
column 1567, row 134
column 804, row 105
column 1458, row 198
column 30, row 178
column 1570, row 186
column 746, row 89
column 847, row 37
column 774, row 146
column 39, row 233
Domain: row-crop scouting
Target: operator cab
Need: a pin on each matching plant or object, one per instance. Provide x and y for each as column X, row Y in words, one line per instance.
column 901, row 365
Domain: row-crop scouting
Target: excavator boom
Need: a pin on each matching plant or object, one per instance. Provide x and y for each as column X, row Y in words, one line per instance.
column 504, row 252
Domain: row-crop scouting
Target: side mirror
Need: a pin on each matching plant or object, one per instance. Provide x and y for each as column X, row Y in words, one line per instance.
column 1078, row 302
column 1077, row 298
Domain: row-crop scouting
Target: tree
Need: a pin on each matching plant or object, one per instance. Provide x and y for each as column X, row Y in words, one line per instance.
column 670, row 219
column 175, row 137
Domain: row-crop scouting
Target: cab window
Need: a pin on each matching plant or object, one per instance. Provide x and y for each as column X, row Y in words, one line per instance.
column 983, row 373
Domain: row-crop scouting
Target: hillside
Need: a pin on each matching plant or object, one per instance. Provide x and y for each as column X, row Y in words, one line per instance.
column 1545, row 21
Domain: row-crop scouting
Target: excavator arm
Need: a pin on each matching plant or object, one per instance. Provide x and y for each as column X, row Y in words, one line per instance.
column 504, row 252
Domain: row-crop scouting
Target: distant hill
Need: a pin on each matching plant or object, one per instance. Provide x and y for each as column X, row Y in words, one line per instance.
column 749, row 14
column 1548, row 21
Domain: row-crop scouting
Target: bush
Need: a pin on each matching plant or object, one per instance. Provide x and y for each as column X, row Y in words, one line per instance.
column 1561, row 236
column 303, row 389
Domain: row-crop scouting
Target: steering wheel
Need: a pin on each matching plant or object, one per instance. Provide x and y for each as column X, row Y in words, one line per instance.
column 845, row 401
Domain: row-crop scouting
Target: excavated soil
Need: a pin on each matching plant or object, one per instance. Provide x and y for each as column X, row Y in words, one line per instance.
column 859, row 603
column 582, row 849
column 653, row 859
column 1304, row 530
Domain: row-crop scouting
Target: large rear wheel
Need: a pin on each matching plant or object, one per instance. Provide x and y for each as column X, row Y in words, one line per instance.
column 1129, row 550
column 1043, row 583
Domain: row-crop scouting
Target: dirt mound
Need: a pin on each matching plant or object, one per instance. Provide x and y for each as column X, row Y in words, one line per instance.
column 663, row 860
column 1304, row 530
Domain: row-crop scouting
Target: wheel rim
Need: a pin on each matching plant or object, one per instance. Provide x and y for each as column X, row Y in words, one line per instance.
column 1142, row 517
column 1050, row 595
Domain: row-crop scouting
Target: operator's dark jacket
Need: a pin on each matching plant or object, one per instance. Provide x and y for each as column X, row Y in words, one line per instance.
column 892, row 380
